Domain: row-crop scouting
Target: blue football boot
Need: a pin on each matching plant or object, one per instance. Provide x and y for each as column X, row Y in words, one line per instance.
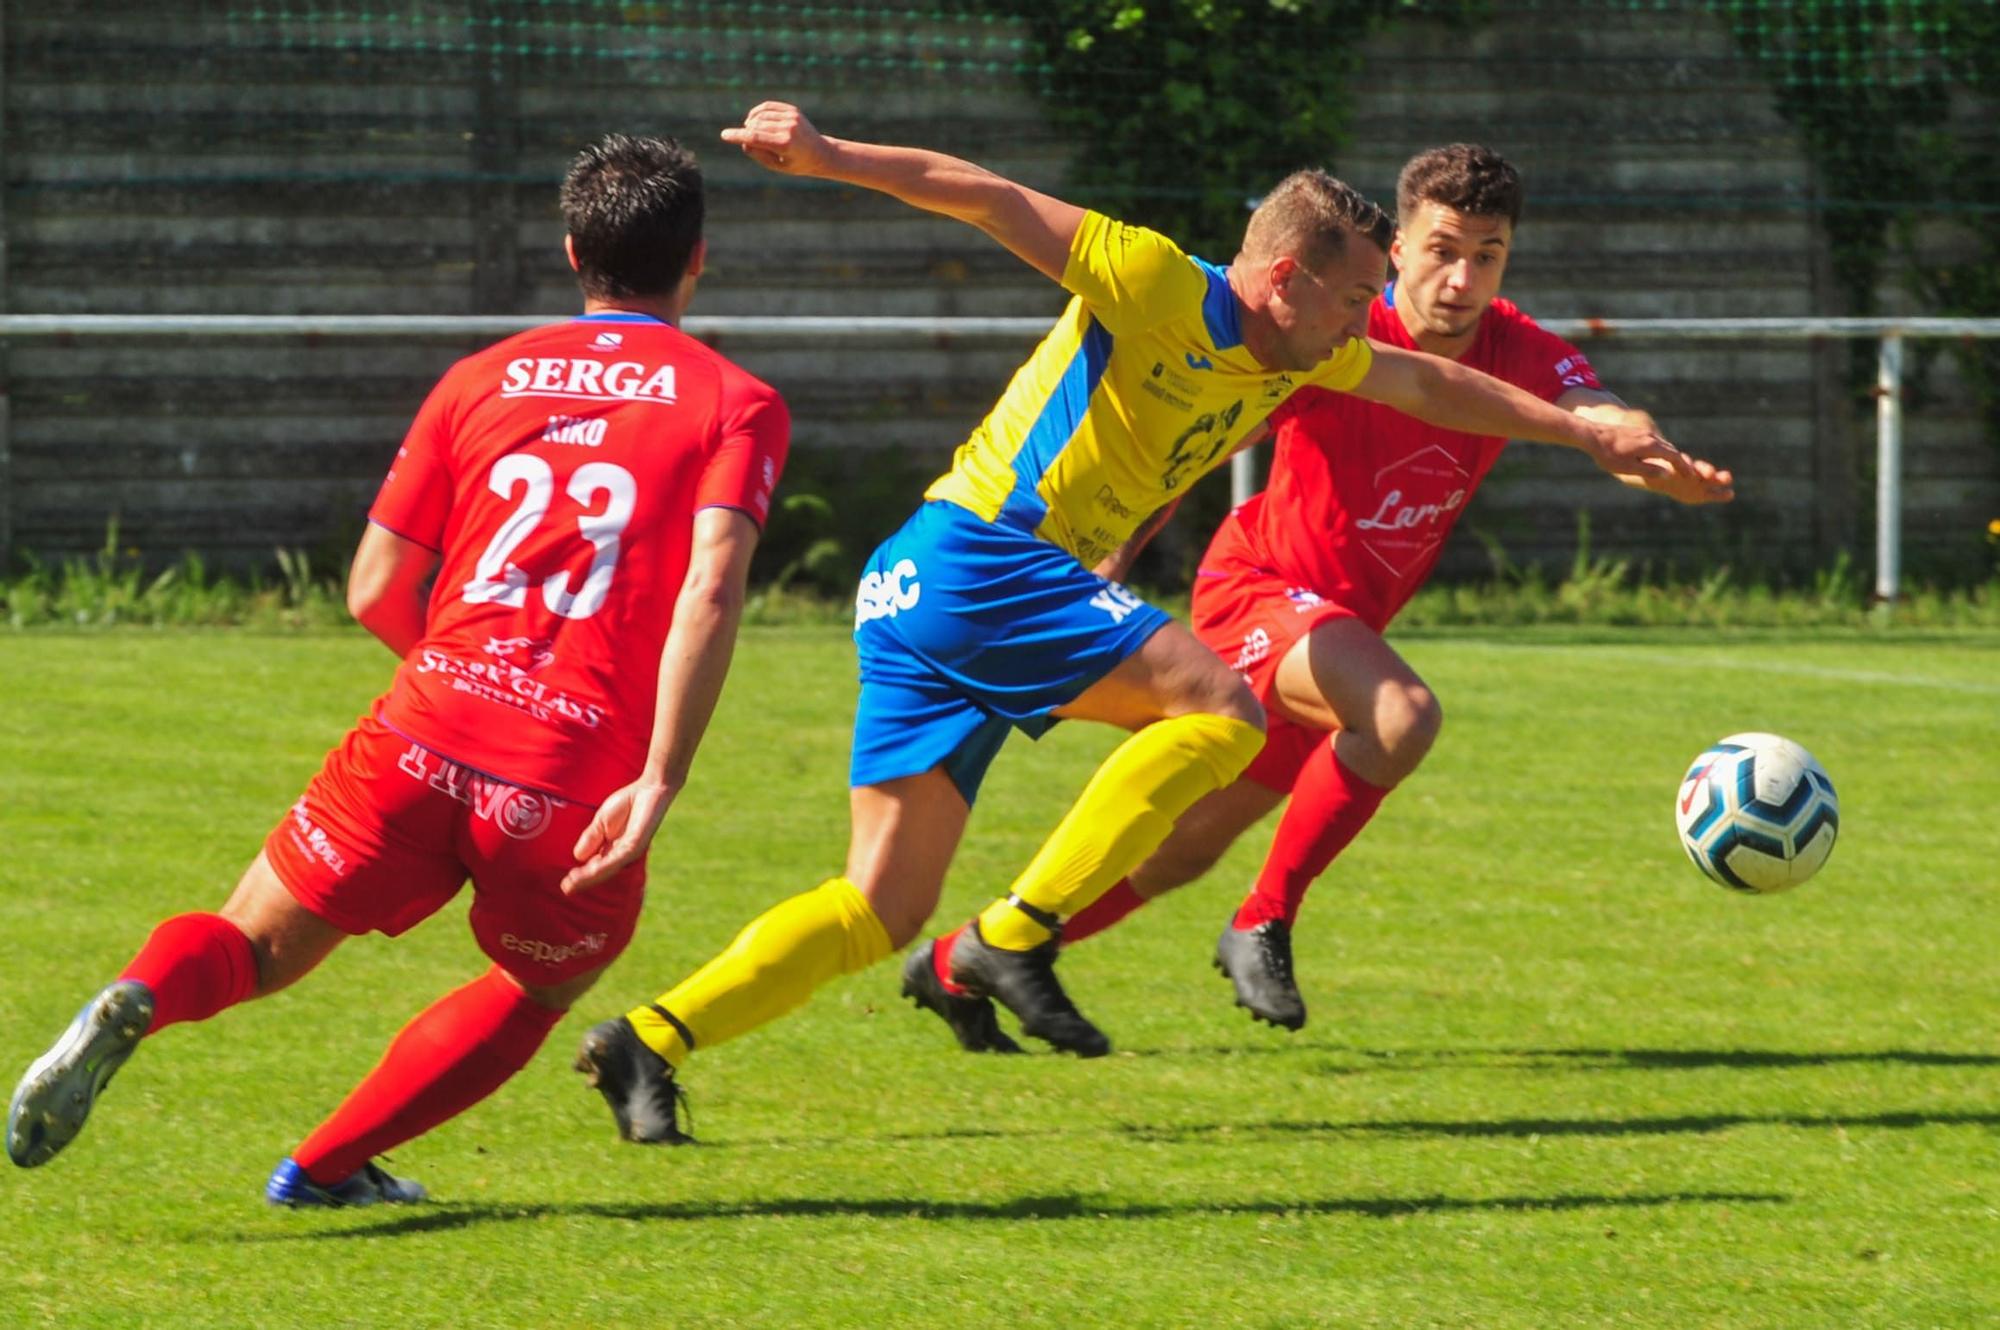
column 371, row 1184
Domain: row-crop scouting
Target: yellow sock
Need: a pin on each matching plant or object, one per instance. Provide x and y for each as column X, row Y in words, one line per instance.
column 774, row 964
column 1121, row 817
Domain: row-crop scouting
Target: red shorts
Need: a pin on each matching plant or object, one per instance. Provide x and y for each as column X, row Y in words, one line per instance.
column 1251, row 617
column 388, row 831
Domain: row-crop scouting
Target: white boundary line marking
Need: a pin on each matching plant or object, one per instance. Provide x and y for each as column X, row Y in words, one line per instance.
column 1749, row 666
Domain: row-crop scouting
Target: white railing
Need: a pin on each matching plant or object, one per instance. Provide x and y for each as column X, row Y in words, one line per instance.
column 1889, row 333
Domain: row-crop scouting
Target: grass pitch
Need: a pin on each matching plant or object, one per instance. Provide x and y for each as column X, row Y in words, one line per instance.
column 1552, row 1076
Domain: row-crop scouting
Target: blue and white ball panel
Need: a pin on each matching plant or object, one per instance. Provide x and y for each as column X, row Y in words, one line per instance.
column 967, row 627
column 1757, row 813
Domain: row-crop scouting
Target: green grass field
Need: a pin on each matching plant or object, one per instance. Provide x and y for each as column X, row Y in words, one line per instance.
column 1552, row 1077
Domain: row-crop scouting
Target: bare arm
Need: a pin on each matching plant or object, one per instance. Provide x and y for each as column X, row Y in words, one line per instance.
column 693, row 663
column 1450, row 395
column 1036, row 227
column 385, row 587
column 1118, row 563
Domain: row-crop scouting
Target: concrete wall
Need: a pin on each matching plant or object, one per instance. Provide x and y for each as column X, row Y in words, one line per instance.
column 162, row 158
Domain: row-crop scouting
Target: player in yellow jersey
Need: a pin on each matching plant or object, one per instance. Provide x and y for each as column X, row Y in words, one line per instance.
column 982, row 613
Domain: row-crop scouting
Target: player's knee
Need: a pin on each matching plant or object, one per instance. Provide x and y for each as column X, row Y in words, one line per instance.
column 903, row 918
column 1225, row 694
column 1410, row 720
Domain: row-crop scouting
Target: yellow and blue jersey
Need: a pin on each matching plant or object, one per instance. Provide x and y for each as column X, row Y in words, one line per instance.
column 1142, row 387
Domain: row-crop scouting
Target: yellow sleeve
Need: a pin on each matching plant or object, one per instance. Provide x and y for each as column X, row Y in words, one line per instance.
column 1132, row 279
column 1345, row 367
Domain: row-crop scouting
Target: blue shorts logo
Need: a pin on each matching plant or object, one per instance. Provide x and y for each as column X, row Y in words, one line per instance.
column 884, row 595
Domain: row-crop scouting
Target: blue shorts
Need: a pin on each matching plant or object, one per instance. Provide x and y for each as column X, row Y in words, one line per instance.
column 966, row 629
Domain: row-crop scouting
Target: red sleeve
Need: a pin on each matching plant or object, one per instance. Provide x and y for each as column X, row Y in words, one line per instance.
column 756, row 435
column 1545, row 364
column 415, row 498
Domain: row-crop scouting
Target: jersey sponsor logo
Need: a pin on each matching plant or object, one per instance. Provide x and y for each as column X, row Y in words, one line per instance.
column 607, row 341
column 1421, row 496
column 1395, row 515
column 1115, row 601
column 1172, row 399
column 311, row 838
column 885, row 595
column 510, row 686
column 581, row 431
column 553, row 953
column 1303, row 598
column 525, row 654
column 1256, row 646
column 1107, row 499
column 1199, row 445
column 1575, row 372
column 588, row 380
column 1198, row 362
column 520, row 814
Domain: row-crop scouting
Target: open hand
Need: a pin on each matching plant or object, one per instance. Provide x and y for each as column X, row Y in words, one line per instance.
column 618, row 835
column 1640, row 455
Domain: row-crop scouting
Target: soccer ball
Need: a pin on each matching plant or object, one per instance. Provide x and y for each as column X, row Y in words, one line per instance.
column 1757, row 813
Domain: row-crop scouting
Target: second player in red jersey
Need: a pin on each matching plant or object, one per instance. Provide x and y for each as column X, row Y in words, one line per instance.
column 1361, row 497
column 558, row 559
column 1299, row 583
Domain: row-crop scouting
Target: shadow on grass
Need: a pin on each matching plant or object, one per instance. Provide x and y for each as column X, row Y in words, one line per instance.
column 1687, row 1124
column 1574, row 1059
column 443, row 1217
column 1691, row 1124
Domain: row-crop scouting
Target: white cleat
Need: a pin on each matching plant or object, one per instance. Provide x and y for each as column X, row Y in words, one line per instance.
column 55, row 1097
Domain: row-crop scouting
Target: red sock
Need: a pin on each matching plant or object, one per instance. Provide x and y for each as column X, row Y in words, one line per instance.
column 1329, row 806
column 941, row 960
column 195, row 965
column 1103, row 912
column 457, row 1051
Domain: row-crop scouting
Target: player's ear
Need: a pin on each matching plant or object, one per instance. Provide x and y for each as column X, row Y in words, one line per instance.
column 1280, row 272
column 1396, row 250
column 698, row 257
column 569, row 249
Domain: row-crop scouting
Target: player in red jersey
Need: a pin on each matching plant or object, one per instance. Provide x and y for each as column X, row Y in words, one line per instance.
column 1299, row 583
column 582, row 502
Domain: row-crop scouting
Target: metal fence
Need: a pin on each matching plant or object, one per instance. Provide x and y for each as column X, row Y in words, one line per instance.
column 1890, row 335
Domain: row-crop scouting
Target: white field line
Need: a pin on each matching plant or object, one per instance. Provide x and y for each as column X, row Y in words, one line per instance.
column 1715, row 662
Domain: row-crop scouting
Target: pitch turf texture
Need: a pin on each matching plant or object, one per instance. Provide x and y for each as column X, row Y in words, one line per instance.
column 1552, row 1076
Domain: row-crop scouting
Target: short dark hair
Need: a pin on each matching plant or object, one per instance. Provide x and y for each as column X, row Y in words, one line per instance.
column 634, row 210
column 1464, row 177
column 1308, row 215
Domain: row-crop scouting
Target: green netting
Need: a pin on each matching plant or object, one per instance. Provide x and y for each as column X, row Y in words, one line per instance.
column 1818, row 43
column 1168, row 109
column 724, row 44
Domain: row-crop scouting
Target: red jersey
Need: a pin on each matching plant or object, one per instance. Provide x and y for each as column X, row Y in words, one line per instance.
column 1361, row 496
column 558, row 475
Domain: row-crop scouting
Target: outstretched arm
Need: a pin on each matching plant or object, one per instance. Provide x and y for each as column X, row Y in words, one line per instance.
column 693, row 663
column 1450, row 395
column 1035, row 226
column 1713, row 484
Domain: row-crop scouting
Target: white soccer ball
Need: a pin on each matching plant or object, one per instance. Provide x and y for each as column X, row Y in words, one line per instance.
column 1757, row 813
